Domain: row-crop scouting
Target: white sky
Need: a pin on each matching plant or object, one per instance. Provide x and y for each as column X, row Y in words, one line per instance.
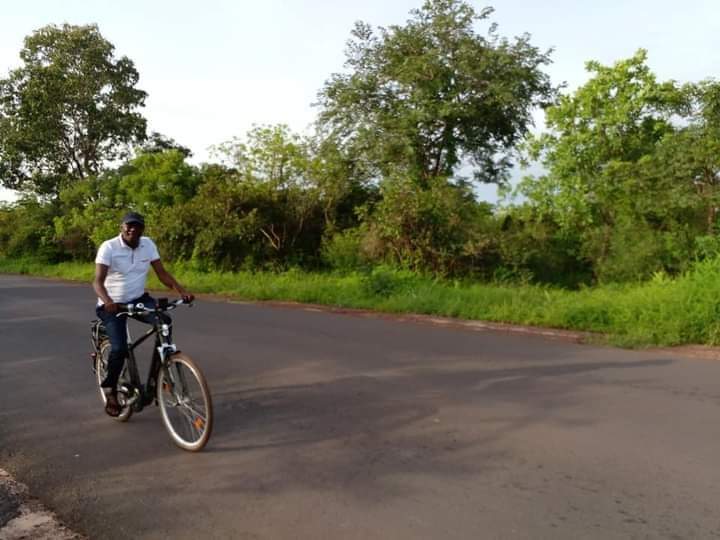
column 212, row 69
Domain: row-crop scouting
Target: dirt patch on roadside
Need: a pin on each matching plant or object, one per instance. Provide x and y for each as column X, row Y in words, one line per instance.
column 23, row 517
column 9, row 505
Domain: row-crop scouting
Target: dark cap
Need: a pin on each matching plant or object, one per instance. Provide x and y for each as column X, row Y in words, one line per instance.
column 133, row 217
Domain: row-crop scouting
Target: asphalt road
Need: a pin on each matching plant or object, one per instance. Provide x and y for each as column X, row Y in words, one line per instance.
column 339, row 427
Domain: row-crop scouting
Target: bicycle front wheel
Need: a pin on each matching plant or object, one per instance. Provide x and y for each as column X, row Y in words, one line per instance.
column 185, row 403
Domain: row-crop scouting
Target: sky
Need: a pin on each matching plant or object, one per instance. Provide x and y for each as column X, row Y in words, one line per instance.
column 214, row 69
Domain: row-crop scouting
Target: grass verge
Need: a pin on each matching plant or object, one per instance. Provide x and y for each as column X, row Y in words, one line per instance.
column 660, row 312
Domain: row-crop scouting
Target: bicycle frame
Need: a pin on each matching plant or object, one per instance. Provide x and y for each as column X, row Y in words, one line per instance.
column 163, row 348
column 186, row 409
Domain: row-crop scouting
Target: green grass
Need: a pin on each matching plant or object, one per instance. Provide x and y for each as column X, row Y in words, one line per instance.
column 662, row 311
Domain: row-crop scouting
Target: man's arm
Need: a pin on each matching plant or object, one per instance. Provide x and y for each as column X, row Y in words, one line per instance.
column 169, row 281
column 101, row 271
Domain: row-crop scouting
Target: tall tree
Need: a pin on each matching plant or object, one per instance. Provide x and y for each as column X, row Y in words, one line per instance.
column 688, row 160
column 420, row 98
column 630, row 162
column 70, row 107
column 596, row 135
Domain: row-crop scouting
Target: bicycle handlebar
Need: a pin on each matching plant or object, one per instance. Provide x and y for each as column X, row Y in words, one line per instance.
column 135, row 309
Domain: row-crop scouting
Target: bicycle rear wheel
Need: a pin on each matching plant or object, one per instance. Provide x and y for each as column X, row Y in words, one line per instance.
column 101, row 368
column 185, row 403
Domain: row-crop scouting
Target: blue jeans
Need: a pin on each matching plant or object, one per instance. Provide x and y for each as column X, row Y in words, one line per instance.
column 116, row 329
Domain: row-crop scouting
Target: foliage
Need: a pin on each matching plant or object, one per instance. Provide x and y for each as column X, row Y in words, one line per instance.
column 533, row 248
column 437, row 229
column 632, row 169
column 595, row 136
column 376, row 198
column 383, row 281
column 157, row 142
column 661, row 311
column 154, row 181
column 91, row 208
column 69, row 109
column 418, row 99
column 343, row 251
column 26, row 230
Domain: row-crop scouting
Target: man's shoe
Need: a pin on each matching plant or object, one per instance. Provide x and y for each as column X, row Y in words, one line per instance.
column 112, row 405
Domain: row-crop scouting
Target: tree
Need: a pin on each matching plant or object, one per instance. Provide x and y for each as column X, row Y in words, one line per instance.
column 631, row 160
column 688, row 159
column 608, row 125
column 420, row 98
column 299, row 187
column 594, row 153
column 26, row 230
column 70, row 108
column 158, row 143
column 438, row 229
column 154, row 181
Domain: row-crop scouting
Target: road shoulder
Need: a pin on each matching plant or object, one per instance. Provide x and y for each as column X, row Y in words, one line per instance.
column 23, row 517
column 704, row 352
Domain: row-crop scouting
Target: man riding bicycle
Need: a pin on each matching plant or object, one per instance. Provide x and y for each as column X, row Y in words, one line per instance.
column 121, row 268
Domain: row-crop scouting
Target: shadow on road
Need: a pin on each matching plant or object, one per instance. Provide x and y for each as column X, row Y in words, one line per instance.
column 360, row 431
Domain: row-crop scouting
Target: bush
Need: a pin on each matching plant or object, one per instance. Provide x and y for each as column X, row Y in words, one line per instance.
column 432, row 227
column 384, row 281
column 636, row 252
column 26, row 230
column 707, row 247
column 343, row 251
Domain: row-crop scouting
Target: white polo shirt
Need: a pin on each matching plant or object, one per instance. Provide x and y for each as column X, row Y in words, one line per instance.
column 127, row 267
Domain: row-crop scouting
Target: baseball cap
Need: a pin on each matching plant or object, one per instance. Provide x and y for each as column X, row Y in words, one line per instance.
column 133, row 217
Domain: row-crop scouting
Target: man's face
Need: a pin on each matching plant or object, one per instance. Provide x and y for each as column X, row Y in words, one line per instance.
column 131, row 233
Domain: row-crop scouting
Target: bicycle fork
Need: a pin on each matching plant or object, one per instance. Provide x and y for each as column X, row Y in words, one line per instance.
column 163, row 350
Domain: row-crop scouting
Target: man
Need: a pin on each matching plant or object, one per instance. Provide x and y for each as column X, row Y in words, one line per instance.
column 121, row 269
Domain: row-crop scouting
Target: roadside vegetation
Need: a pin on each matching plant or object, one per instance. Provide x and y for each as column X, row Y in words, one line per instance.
column 377, row 208
column 660, row 311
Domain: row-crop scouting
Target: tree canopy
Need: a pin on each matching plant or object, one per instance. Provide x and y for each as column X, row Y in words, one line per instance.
column 68, row 109
column 422, row 97
column 631, row 168
column 630, row 187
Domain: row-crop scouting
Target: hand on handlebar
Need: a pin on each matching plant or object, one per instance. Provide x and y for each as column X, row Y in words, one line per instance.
column 139, row 308
column 111, row 307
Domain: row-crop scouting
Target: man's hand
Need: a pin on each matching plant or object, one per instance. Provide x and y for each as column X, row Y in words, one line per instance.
column 170, row 282
column 111, row 307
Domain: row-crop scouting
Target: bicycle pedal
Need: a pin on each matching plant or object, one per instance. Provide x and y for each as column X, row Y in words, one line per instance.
column 132, row 395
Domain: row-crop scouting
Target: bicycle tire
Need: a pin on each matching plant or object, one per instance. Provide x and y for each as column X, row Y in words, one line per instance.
column 101, row 361
column 185, row 403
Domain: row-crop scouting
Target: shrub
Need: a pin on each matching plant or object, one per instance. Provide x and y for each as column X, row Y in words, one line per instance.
column 343, row 251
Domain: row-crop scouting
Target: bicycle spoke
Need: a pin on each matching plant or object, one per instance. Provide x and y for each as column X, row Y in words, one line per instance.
column 185, row 403
column 124, row 379
column 194, row 417
column 192, row 422
column 192, row 407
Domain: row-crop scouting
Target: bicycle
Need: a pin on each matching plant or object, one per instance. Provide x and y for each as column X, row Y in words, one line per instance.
column 174, row 381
